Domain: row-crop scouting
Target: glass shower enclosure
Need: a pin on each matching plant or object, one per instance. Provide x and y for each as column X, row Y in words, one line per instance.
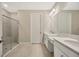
column 9, row 33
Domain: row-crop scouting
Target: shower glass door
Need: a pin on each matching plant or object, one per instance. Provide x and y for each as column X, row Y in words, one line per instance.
column 10, row 34
column 7, row 37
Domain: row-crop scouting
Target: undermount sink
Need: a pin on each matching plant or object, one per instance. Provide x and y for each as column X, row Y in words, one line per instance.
column 53, row 35
column 50, row 34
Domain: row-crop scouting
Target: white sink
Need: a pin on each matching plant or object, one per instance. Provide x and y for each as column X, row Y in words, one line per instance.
column 50, row 34
column 53, row 35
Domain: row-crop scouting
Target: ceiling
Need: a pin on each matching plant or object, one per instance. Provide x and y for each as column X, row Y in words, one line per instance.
column 14, row 6
column 72, row 6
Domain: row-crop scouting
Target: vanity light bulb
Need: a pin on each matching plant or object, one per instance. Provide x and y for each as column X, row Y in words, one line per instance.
column 53, row 10
column 5, row 5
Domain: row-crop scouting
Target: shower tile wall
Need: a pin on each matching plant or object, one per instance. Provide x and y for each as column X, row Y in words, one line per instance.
column 10, row 34
column 14, row 32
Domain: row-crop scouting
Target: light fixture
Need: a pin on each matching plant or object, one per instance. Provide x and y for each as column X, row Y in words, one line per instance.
column 52, row 12
column 5, row 5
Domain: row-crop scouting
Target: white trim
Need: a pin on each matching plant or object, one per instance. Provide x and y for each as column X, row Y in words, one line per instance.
column 25, row 43
column 31, row 28
column 10, row 50
column 70, row 24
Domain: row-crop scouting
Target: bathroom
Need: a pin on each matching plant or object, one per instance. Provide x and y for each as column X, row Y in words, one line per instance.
column 39, row 29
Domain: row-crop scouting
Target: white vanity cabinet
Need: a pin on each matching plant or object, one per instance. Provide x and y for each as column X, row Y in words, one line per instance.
column 66, row 22
column 45, row 40
column 48, row 42
column 61, row 50
column 58, row 52
column 50, row 45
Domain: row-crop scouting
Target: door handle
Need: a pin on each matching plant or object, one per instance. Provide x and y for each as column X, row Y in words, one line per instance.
column 1, row 41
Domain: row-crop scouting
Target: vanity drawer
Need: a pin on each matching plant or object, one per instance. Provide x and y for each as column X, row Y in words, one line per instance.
column 51, row 41
column 65, row 49
column 58, row 52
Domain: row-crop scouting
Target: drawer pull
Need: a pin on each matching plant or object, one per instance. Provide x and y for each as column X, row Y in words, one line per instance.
column 62, row 55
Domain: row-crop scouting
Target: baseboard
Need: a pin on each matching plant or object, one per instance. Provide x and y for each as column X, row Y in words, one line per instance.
column 10, row 50
column 24, row 42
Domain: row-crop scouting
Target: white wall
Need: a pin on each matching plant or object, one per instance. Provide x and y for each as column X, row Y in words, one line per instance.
column 24, row 27
column 75, row 22
column 53, row 15
column 59, row 8
column 23, row 16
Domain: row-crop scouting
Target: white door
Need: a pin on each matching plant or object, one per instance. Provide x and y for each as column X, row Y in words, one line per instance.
column 0, row 38
column 35, row 28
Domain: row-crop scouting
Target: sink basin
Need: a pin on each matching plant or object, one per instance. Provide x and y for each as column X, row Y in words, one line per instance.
column 53, row 35
column 50, row 34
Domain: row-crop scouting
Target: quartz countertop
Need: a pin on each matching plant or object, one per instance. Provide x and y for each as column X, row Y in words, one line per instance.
column 68, row 42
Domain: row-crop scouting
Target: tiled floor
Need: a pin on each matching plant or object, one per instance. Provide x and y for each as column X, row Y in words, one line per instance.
column 29, row 50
